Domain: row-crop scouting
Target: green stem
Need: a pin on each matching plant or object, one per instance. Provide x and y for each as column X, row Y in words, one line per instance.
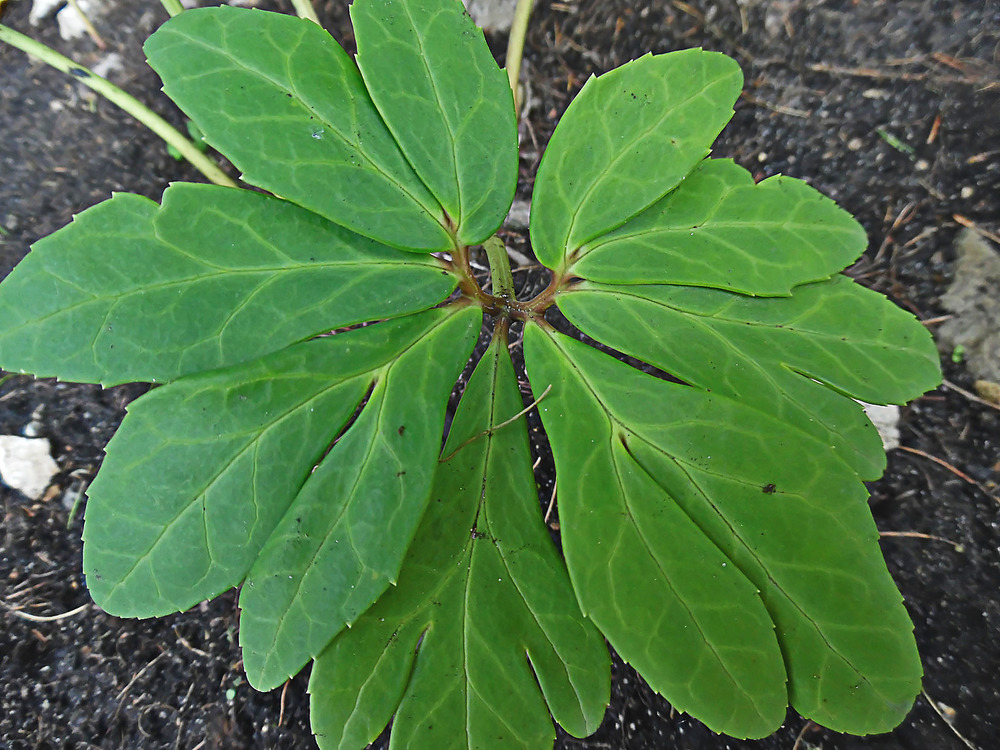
column 173, row 7
column 503, row 281
column 515, row 48
column 304, row 9
column 115, row 95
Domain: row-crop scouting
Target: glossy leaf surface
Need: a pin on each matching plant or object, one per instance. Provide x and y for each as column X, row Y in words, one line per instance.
column 627, row 139
column 719, row 229
column 132, row 291
column 774, row 354
column 283, row 101
column 764, row 500
column 449, row 106
column 483, row 608
column 343, row 539
column 209, row 465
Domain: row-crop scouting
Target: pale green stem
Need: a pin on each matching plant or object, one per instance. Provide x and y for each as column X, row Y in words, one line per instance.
column 515, row 48
column 173, row 7
column 503, row 281
column 115, row 95
column 304, row 9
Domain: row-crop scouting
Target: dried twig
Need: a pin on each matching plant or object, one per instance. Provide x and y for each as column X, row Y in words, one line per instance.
column 809, row 727
column 946, row 720
column 493, row 429
column 552, row 504
column 969, row 395
column 48, row 618
column 966, row 222
column 917, row 535
column 281, row 704
column 140, row 673
column 960, row 474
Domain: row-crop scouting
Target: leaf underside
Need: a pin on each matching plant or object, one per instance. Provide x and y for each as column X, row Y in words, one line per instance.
column 714, row 529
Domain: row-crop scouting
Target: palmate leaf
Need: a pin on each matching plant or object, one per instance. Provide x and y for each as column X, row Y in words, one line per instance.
column 482, row 589
column 211, row 463
column 449, row 106
column 132, row 291
column 781, row 355
column 343, row 539
column 678, row 506
column 283, row 101
column 642, row 463
column 719, row 229
column 715, row 529
column 627, row 139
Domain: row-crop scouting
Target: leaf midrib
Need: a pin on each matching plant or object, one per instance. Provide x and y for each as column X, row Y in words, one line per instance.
column 612, row 167
column 210, row 482
column 433, row 211
column 681, row 466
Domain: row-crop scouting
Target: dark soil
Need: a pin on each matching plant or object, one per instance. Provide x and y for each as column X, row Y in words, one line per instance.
column 890, row 107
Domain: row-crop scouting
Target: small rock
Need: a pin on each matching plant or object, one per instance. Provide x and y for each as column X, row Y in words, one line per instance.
column 26, row 464
column 519, row 216
column 974, row 300
column 988, row 391
column 886, row 421
column 492, row 15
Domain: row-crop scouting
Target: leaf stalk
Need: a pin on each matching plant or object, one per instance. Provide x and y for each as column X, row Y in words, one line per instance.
column 503, row 281
column 173, row 7
column 515, row 49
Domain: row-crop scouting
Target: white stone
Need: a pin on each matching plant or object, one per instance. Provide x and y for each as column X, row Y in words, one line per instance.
column 492, row 15
column 26, row 464
column 886, row 421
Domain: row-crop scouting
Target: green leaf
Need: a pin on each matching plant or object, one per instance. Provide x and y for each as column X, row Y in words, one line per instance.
column 792, row 357
column 201, row 470
column 719, row 229
column 627, row 139
column 449, row 106
column 131, row 291
column 343, row 538
column 281, row 99
column 669, row 600
column 785, row 514
column 482, row 588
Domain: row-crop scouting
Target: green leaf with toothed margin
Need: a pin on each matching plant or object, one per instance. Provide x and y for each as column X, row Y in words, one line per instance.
column 794, row 357
column 343, row 538
column 134, row 291
column 719, row 229
column 283, row 101
column 435, row 83
column 482, row 630
column 209, row 464
column 627, row 139
column 691, row 523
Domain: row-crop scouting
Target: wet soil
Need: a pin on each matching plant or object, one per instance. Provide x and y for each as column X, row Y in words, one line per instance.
column 892, row 108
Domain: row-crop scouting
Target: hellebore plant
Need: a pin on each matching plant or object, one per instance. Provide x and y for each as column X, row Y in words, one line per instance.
column 714, row 524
